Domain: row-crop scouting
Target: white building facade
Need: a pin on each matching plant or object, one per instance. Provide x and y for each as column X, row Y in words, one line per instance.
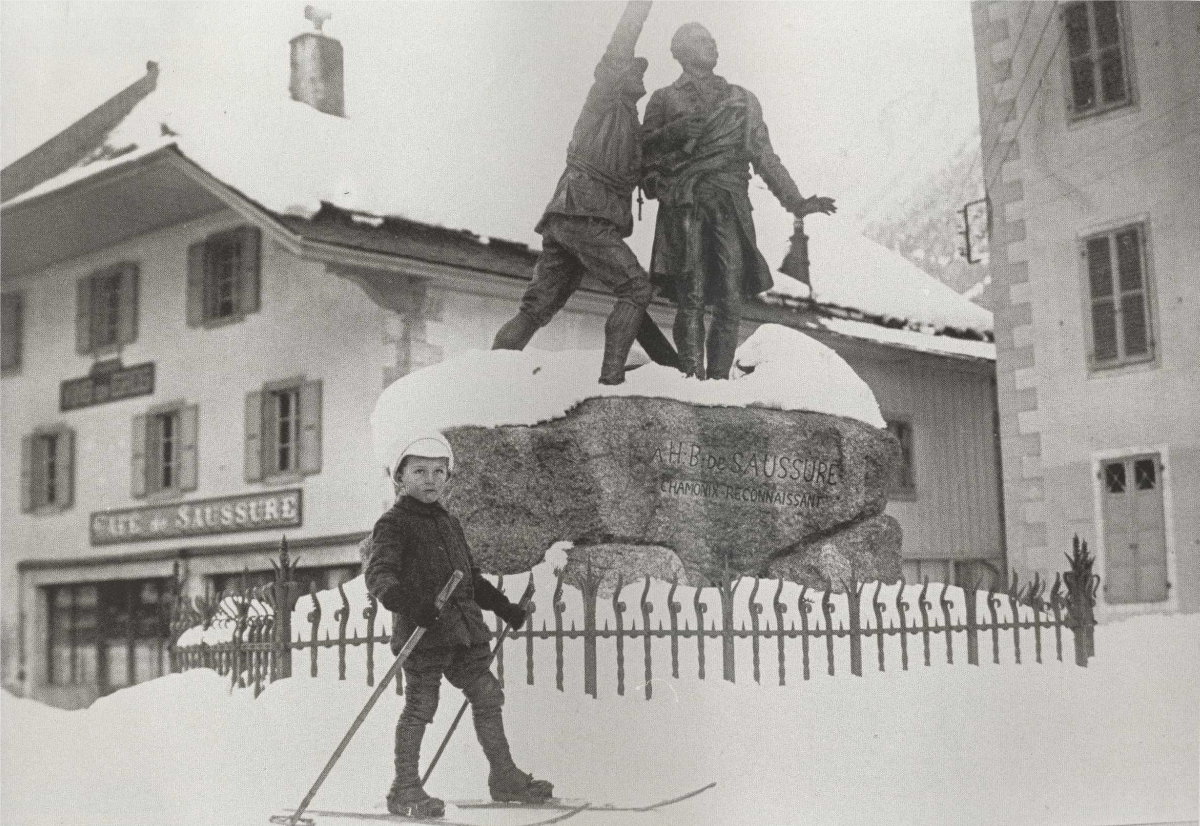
column 1091, row 153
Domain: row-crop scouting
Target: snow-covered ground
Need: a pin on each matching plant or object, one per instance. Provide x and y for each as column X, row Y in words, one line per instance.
column 1115, row 743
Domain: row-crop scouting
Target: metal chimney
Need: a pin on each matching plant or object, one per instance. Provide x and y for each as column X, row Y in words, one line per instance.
column 317, row 67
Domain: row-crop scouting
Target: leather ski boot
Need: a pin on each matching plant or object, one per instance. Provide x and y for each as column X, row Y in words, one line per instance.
column 406, row 797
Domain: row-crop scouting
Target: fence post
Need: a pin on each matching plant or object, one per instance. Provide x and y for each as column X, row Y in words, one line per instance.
column 647, row 610
column 673, row 608
column 314, row 619
column 589, row 593
column 284, row 588
column 969, row 597
column 725, row 590
column 1081, row 599
column 780, row 610
column 853, row 595
column 619, row 616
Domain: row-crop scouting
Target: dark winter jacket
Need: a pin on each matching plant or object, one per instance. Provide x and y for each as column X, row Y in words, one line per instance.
column 415, row 548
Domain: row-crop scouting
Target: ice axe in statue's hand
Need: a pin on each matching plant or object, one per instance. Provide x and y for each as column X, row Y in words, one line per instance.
column 795, row 263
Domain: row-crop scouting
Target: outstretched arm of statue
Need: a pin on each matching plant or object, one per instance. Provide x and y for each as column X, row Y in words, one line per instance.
column 775, row 175
column 619, row 55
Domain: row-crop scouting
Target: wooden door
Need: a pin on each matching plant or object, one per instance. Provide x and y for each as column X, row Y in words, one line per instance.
column 1134, row 530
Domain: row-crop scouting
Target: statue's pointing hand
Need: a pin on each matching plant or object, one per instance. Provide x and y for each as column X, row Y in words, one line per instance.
column 817, row 203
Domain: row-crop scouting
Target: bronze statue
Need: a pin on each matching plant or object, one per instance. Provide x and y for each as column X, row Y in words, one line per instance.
column 701, row 134
column 584, row 226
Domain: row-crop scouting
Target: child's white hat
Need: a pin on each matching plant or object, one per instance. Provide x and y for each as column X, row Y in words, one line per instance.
column 430, row 445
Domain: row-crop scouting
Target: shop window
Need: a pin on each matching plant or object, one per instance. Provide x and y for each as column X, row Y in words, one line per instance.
column 106, row 309
column 1135, row 546
column 1119, row 299
column 223, row 277
column 1097, row 63
column 11, row 331
column 320, row 578
column 108, row 634
column 164, row 450
column 48, row 470
column 283, row 430
column 903, row 483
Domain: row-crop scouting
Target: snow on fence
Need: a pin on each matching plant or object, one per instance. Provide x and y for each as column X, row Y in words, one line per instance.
column 243, row 635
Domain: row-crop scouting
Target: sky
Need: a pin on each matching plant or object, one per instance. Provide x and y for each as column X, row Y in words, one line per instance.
column 862, row 99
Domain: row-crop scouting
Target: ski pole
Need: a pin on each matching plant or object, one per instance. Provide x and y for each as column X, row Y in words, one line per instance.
column 414, row 638
column 499, row 642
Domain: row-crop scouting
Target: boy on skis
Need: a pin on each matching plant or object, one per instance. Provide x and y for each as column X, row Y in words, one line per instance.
column 415, row 548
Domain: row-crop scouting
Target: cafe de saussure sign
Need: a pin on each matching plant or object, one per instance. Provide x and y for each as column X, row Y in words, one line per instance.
column 227, row 514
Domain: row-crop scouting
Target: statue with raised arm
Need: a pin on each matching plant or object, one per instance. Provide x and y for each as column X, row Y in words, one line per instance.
column 584, row 226
column 701, row 136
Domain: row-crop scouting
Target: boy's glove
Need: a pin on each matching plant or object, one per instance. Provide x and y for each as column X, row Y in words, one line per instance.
column 514, row 615
column 426, row 614
column 489, row 598
column 392, row 598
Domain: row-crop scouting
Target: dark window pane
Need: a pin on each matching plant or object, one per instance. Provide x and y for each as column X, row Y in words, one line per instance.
column 1104, row 330
column 223, row 262
column 1145, row 474
column 1108, row 30
column 1112, row 75
column 1083, row 84
column 1133, row 322
column 1099, row 264
column 1075, row 19
column 105, row 309
column 1114, row 477
column 1129, row 259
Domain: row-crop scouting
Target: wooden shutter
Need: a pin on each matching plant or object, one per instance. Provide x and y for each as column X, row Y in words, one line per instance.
column 26, row 474
column 1135, row 322
column 310, row 427
column 1077, row 32
column 195, row 284
column 254, row 440
column 64, row 471
column 11, row 324
column 189, row 431
column 83, row 316
column 1104, row 316
column 1109, row 55
column 137, row 465
column 250, row 278
column 127, row 324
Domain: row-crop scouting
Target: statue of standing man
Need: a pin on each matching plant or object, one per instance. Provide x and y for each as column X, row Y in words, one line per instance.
column 701, row 134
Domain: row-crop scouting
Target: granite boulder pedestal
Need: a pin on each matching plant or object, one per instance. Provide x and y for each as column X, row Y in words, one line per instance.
column 663, row 487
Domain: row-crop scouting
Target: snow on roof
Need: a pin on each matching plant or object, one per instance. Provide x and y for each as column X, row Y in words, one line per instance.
column 290, row 158
column 851, row 271
column 780, row 368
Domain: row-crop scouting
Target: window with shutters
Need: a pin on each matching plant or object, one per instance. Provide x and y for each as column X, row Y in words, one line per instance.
column 1097, row 62
column 106, row 315
column 1121, row 329
column 164, row 451
column 903, row 482
column 223, row 277
column 109, row 634
column 11, row 331
column 47, row 470
column 1135, row 549
column 283, row 430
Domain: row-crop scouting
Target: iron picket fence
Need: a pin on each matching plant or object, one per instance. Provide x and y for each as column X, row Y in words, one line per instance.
column 262, row 647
